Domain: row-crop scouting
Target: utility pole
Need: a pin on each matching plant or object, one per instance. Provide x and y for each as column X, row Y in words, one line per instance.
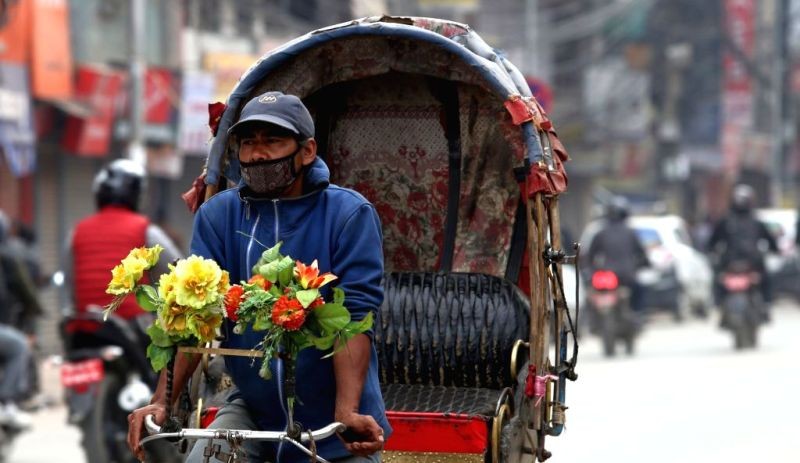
column 136, row 151
column 782, row 105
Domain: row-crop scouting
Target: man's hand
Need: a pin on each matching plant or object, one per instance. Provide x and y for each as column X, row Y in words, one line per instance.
column 369, row 435
column 136, row 428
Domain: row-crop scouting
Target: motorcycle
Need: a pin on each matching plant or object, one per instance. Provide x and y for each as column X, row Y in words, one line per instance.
column 741, row 304
column 611, row 315
column 105, row 376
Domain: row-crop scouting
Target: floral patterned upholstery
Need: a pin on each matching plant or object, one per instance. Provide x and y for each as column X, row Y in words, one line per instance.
column 387, row 141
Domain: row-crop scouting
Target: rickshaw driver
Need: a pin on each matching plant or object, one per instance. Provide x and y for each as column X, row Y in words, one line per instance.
column 280, row 169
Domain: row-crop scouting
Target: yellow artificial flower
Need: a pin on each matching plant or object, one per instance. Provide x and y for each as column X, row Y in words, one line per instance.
column 224, row 283
column 204, row 325
column 198, row 282
column 166, row 286
column 149, row 255
column 134, row 266
column 174, row 319
column 121, row 281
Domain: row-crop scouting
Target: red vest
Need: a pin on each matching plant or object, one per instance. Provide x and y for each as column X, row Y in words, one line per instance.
column 99, row 243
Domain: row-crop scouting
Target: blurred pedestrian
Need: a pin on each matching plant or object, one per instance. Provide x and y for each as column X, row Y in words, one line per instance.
column 101, row 240
column 19, row 307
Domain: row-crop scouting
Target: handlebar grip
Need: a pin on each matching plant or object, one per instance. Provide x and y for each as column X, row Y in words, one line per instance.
column 150, row 424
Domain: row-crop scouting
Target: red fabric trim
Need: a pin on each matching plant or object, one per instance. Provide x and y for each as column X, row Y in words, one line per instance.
column 437, row 432
column 519, row 110
column 196, row 194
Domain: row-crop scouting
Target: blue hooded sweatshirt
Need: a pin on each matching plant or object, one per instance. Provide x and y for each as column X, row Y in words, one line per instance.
column 341, row 230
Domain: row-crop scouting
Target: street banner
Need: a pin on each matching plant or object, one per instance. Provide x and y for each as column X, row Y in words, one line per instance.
column 737, row 84
column 98, row 87
column 193, row 131
column 51, row 57
column 160, row 95
column 15, row 36
column 227, row 68
column 17, row 137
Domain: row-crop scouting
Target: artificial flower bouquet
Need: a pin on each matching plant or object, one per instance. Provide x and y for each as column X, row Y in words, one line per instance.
column 282, row 299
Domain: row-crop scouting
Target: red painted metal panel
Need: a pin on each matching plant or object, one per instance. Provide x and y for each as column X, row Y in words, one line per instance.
column 437, row 432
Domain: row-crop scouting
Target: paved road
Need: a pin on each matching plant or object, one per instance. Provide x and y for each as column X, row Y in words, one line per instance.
column 685, row 397
column 688, row 397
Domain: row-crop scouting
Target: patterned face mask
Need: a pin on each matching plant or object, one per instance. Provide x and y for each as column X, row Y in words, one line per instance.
column 270, row 177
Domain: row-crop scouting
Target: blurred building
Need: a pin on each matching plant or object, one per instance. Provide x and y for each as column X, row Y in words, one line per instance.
column 67, row 95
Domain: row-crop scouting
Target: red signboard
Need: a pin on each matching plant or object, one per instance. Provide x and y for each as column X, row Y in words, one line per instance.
column 158, row 96
column 737, row 83
column 15, row 37
column 740, row 26
column 51, row 58
column 91, row 136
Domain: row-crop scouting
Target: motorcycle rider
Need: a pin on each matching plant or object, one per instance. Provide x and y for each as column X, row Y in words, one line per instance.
column 740, row 236
column 18, row 302
column 101, row 240
column 616, row 247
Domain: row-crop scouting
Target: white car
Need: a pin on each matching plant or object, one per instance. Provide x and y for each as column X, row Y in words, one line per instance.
column 781, row 223
column 784, row 268
column 666, row 239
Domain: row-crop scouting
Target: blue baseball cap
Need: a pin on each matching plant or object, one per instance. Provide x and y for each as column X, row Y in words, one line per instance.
column 286, row 111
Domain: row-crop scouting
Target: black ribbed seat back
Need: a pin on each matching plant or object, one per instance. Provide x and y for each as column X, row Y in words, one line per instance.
column 449, row 329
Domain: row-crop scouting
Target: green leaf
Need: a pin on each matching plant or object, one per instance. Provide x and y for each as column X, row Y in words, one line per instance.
column 158, row 336
column 262, row 322
column 323, row 342
column 264, row 371
column 307, row 296
column 147, row 298
column 360, row 326
column 338, row 296
column 273, row 253
column 285, row 270
column 275, row 270
column 159, row 356
column 332, row 317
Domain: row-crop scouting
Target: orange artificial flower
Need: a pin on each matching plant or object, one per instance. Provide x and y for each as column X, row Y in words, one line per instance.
column 288, row 314
column 260, row 281
column 309, row 277
column 232, row 300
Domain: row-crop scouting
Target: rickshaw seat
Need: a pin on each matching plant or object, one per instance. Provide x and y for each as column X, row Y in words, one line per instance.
column 444, row 343
column 449, row 329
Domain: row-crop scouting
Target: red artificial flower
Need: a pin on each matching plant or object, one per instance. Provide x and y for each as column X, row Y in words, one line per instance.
column 260, row 281
column 317, row 302
column 288, row 314
column 232, row 300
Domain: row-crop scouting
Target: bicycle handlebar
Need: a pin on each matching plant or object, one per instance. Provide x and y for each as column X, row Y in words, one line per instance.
column 239, row 434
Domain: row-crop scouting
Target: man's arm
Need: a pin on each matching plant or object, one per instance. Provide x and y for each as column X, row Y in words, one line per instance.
column 350, row 367
column 185, row 364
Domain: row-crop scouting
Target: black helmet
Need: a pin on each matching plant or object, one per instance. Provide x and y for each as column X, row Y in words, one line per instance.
column 120, row 183
column 618, row 208
column 743, row 198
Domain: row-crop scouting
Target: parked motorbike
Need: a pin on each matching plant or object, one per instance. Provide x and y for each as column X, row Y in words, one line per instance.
column 611, row 316
column 742, row 304
column 106, row 375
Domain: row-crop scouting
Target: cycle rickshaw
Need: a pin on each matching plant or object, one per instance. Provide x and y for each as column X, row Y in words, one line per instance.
column 442, row 135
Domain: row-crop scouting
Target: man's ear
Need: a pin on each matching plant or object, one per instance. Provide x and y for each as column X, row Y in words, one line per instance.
column 309, row 151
